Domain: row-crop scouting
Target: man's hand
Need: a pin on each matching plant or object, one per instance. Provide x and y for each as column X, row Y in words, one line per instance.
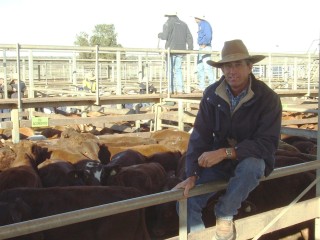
column 187, row 184
column 208, row 159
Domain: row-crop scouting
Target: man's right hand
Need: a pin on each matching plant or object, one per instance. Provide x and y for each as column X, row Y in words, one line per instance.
column 187, row 184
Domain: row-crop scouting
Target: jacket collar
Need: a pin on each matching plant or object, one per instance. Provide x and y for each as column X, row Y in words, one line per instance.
column 222, row 92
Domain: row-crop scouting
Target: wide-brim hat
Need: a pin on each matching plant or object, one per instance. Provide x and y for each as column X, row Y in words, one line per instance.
column 235, row 50
column 168, row 14
column 201, row 17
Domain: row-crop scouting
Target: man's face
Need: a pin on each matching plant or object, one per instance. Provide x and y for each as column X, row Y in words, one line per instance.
column 236, row 73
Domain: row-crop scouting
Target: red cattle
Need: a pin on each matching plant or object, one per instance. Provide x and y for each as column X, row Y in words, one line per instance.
column 7, row 156
column 125, row 141
column 162, row 219
column 17, row 205
column 127, row 158
column 174, row 139
column 181, row 171
column 67, row 154
column 303, row 144
column 168, row 160
column 23, row 170
column 149, row 178
column 55, row 173
column 21, row 176
column 298, row 155
column 146, row 150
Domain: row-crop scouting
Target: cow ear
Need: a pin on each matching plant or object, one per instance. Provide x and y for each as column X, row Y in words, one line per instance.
column 111, row 170
column 115, row 170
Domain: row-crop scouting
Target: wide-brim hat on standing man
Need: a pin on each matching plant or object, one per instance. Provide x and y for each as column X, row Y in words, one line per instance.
column 235, row 50
column 201, row 17
column 170, row 14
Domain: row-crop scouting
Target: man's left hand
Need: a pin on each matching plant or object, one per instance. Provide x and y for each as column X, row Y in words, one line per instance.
column 208, row 159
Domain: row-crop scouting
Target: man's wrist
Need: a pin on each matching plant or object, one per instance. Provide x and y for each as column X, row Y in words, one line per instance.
column 195, row 175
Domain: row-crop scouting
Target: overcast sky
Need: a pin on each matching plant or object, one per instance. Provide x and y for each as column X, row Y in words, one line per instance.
column 272, row 25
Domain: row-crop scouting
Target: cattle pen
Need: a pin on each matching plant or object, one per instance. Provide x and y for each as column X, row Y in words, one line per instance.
column 55, row 82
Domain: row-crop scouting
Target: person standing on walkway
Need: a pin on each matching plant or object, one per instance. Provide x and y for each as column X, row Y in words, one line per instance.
column 235, row 137
column 2, row 96
column 204, row 70
column 13, row 90
column 177, row 35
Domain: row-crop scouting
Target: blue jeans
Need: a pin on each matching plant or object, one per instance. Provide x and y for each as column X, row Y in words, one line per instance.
column 204, row 69
column 243, row 177
column 176, row 83
column 5, row 111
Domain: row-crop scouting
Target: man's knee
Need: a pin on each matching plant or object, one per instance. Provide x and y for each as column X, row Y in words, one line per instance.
column 253, row 165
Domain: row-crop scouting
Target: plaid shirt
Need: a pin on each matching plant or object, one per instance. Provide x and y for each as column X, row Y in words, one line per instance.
column 235, row 100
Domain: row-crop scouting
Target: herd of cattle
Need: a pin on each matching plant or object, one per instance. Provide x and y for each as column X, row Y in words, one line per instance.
column 78, row 170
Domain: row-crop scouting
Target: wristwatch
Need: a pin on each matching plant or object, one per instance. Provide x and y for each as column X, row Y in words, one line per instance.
column 229, row 153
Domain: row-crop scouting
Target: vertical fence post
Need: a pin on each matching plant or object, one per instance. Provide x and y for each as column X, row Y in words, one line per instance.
column 74, row 69
column 269, row 70
column 97, row 75
column 295, row 74
column 19, row 77
column 309, row 73
column 180, row 115
column 15, row 125
column 188, row 87
column 31, row 82
column 5, row 82
column 170, row 83
column 183, row 230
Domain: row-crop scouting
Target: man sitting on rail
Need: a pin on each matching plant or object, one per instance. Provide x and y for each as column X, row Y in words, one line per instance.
column 235, row 137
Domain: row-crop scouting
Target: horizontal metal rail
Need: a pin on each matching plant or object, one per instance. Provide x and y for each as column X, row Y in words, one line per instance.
column 59, row 220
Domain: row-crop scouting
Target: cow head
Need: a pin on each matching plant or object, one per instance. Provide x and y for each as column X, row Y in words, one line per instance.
column 108, row 173
column 91, row 171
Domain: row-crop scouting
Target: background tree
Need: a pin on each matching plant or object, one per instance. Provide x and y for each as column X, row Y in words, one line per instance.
column 103, row 35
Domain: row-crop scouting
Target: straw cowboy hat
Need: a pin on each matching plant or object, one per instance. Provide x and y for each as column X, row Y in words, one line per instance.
column 235, row 50
column 201, row 17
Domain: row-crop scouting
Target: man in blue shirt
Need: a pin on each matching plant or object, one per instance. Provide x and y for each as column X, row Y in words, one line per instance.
column 204, row 41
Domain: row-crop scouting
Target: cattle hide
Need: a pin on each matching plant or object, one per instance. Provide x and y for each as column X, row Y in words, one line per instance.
column 127, row 158
column 149, row 178
column 24, row 204
column 146, row 150
column 54, row 173
column 168, row 160
column 22, row 176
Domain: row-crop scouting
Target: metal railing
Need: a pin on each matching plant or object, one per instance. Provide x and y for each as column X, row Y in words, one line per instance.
column 58, row 67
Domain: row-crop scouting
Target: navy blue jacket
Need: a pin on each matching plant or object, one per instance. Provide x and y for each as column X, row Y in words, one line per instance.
column 253, row 129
